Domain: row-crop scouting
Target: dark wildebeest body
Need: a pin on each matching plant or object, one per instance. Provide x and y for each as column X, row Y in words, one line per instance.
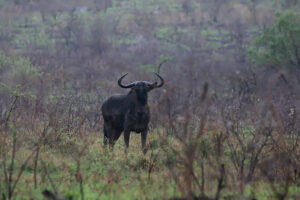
column 128, row 112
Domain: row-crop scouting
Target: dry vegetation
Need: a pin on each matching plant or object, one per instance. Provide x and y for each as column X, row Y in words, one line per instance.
column 224, row 126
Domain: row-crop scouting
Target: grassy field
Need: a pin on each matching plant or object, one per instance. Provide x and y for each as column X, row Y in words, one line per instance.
column 105, row 174
column 82, row 168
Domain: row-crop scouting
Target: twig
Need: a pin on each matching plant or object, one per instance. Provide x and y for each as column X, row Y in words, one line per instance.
column 48, row 176
column 11, row 168
column 35, row 165
column 220, row 182
column 21, row 171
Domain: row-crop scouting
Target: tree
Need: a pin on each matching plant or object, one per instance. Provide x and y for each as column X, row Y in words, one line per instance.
column 279, row 45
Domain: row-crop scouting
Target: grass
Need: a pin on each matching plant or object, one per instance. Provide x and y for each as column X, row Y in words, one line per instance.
column 110, row 174
column 106, row 174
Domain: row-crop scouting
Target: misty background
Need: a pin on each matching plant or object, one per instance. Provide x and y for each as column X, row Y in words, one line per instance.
column 60, row 59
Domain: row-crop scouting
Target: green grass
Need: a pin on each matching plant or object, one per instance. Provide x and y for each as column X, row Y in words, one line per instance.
column 106, row 174
column 114, row 175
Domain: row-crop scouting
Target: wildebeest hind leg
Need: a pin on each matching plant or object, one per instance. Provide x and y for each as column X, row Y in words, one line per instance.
column 126, row 139
column 109, row 135
column 106, row 136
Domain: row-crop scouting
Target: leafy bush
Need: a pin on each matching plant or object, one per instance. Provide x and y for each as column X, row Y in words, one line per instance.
column 17, row 70
column 279, row 45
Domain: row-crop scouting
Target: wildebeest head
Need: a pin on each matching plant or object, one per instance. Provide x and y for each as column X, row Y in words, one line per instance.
column 141, row 88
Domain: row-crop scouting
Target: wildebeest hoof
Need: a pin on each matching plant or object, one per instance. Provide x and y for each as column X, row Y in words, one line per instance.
column 126, row 151
column 145, row 151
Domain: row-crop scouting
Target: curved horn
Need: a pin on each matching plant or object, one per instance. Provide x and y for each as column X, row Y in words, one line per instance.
column 161, row 80
column 124, row 86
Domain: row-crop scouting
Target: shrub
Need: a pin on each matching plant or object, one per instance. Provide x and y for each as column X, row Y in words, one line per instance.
column 279, row 45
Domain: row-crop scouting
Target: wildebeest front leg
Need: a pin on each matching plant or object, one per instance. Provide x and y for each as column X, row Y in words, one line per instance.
column 126, row 139
column 115, row 134
column 143, row 139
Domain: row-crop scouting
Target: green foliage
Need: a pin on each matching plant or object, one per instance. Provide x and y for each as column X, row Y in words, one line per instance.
column 157, row 65
column 16, row 92
column 168, row 32
column 279, row 45
column 205, row 147
column 289, row 3
column 148, row 67
column 2, row 3
column 17, row 70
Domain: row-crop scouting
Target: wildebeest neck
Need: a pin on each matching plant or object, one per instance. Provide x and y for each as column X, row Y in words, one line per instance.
column 142, row 100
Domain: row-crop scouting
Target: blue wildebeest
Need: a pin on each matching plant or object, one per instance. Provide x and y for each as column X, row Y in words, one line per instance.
column 128, row 112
